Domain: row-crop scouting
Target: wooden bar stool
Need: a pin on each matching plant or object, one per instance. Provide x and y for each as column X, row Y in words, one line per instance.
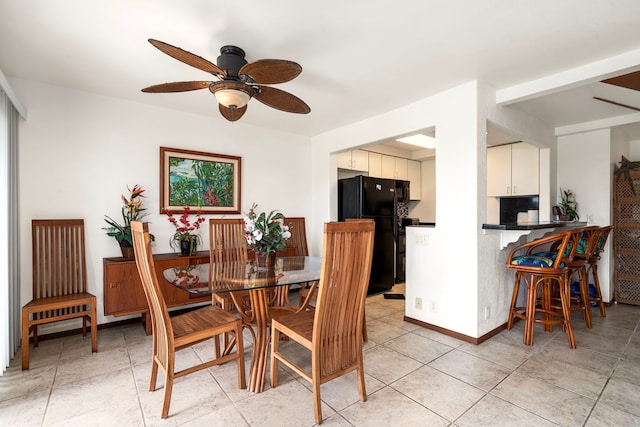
column 579, row 295
column 599, row 241
column 542, row 272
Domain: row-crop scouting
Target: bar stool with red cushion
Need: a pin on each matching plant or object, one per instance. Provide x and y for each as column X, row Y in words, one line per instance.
column 540, row 271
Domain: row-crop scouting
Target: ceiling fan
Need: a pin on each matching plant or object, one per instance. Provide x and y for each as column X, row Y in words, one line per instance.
column 629, row 81
column 239, row 81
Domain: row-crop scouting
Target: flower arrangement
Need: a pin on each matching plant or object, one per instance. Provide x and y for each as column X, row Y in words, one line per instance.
column 265, row 233
column 569, row 204
column 132, row 210
column 184, row 238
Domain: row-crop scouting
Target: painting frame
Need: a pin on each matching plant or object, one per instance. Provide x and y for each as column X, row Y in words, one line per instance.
column 184, row 174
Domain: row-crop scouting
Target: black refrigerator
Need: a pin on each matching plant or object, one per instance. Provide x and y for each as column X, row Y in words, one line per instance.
column 368, row 197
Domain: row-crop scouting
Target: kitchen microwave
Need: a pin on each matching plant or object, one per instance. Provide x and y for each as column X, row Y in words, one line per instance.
column 402, row 191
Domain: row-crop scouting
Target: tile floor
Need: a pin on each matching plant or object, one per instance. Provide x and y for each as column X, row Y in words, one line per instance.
column 415, row 377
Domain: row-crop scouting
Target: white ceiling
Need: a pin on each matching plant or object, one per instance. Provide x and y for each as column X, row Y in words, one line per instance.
column 360, row 57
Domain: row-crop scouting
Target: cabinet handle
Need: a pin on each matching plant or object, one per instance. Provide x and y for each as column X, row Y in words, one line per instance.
column 515, row 189
column 114, row 285
column 508, row 189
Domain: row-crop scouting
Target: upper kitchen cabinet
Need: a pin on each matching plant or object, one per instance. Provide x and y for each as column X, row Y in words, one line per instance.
column 513, row 170
column 395, row 167
column 375, row 164
column 357, row 160
column 415, row 179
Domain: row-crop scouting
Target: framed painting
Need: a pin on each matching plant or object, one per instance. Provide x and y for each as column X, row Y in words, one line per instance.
column 206, row 182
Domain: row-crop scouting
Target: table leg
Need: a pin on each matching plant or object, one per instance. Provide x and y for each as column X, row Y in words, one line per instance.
column 259, row 306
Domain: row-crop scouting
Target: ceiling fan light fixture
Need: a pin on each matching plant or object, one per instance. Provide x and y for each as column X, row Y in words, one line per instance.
column 232, row 98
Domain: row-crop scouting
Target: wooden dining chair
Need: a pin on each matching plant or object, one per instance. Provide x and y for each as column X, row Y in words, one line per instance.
column 298, row 239
column 333, row 331
column 298, row 242
column 171, row 334
column 59, row 281
column 227, row 243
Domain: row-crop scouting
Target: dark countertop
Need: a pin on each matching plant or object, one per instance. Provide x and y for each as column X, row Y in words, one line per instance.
column 533, row 225
column 423, row 224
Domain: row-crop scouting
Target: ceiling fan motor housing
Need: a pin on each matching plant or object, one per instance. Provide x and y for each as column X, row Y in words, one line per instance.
column 231, row 59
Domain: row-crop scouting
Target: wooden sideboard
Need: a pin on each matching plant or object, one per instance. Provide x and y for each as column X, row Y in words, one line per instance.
column 123, row 293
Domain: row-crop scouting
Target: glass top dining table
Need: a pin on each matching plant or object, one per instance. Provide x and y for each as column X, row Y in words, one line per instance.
column 245, row 275
column 263, row 303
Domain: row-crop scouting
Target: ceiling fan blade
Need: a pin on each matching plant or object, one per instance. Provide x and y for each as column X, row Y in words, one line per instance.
column 617, row 103
column 271, row 71
column 629, row 81
column 188, row 58
column 281, row 100
column 177, row 87
column 232, row 114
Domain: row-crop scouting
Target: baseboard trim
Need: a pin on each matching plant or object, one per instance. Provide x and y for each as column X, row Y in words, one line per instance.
column 457, row 335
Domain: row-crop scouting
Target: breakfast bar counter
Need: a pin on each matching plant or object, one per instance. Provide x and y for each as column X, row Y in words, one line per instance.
column 533, row 225
column 511, row 232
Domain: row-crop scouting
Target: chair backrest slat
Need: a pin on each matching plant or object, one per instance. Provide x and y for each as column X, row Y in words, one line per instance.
column 346, row 266
column 59, row 266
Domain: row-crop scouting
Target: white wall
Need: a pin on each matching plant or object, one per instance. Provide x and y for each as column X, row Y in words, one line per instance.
column 632, row 153
column 585, row 168
column 79, row 151
column 454, row 115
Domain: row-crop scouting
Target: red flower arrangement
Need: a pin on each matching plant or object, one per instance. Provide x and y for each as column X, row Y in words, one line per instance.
column 183, row 237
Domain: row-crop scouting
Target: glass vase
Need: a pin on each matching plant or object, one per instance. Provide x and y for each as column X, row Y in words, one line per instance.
column 265, row 260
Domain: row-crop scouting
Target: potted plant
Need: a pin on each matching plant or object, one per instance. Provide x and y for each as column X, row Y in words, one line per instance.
column 184, row 238
column 568, row 206
column 132, row 210
column 265, row 235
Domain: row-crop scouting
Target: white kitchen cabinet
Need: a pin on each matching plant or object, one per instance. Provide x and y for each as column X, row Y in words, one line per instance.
column 402, row 169
column 525, row 169
column 375, row 164
column 513, row 170
column 354, row 160
column 415, row 179
column 395, row 167
column 388, row 167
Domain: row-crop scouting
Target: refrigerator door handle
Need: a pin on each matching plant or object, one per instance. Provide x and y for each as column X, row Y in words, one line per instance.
column 395, row 228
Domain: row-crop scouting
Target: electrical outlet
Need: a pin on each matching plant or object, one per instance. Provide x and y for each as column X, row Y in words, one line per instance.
column 589, row 218
column 433, row 307
column 419, row 303
column 487, row 312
